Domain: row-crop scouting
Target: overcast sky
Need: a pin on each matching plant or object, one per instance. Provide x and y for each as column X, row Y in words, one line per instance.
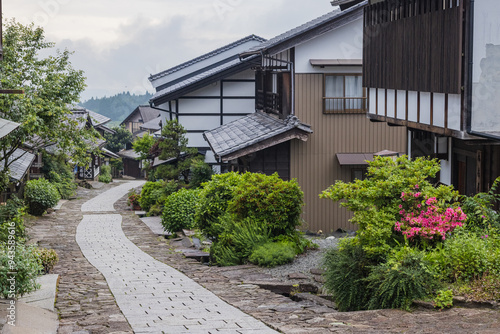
column 119, row 43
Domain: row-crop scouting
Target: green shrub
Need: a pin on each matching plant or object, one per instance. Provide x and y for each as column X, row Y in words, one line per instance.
column 443, row 299
column 405, row 277
column 297, row 240
column 466, row 256
column 214, row 198
column 479, row 209
column 11, row 219
column 156, row 192
column 40, row 195
column 24, row 262
column 273, row 254
column 346, row 270
column 48, row 259
column 105, row 174
column 238, row 241
column 60, row 174
column 270, row 199
column 200, row 172
column 179, row 210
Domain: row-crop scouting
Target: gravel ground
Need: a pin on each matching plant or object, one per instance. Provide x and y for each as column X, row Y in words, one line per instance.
column 305, row 262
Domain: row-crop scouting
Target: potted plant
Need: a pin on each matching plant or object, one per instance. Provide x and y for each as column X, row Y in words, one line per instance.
column 133, row 200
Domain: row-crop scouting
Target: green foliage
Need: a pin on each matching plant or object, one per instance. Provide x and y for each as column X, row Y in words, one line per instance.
column 58, row 171
column 48, row 259
column 466, row 256
column 50, row 84
column 11, row 220
column 375, row 200
column 405, row 277
column 133, row 198
column 345, row 276
column 154, row 193
column 297, row 240
column 214, row 198
column 23, row 261
column 118, row 140
column 105, row 174
column 238, row 241
column 116, row 163
column 480, row 209
column 40, row 195
column 179, row 210
column 273, row 254
column 117, row 107
column 200, row 172
column 443, row 299
column 173, row 144
column 484, row 288
column 270, row 199
column 142, row 145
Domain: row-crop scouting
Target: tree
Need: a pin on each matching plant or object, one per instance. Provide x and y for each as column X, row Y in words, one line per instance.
column 116, row 141
column 50, row 85
column 143, row 145
column 174, row 145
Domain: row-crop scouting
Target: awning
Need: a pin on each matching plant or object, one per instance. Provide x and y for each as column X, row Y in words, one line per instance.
column 354, row 158
column 7, row 127
column 20, row 161
column 254, row 133
column 335, row 62
column 110, row 154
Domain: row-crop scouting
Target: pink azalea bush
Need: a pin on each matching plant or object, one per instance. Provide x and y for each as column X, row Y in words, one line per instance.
column 422, row 217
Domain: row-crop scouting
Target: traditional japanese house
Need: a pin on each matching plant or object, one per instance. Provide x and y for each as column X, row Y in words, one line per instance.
column 206, row 92
column 432, row 67
column 310, row 114
column 138, row 117
column 19, row 162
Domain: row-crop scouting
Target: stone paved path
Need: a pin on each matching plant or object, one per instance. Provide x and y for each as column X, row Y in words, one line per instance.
column 154, row 297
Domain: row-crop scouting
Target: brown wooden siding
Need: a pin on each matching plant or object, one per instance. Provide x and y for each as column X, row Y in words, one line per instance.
column 413, row 45
column 314, row 163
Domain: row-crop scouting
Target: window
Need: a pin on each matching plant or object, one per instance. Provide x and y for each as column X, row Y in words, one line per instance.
column 358, row 174
column 344, row 94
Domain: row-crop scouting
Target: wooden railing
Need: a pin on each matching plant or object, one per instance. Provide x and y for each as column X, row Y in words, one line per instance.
column 269, row 102
column 345, row 105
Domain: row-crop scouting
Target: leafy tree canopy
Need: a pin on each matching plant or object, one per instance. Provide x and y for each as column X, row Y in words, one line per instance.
column 50, row 85
column 142, row 146
column 117, row 141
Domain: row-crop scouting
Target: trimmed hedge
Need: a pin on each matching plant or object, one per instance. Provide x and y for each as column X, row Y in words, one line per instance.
column 179, row 210
column 40, row 195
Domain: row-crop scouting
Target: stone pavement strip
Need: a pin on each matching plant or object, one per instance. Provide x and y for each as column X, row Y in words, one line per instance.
column 154, row 297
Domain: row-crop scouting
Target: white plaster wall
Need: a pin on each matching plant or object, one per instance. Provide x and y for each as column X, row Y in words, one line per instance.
column 446, row 167
column 345, row 42
column 239, row 89
column 425, row 108
column 372, row 106
column 243, row 106
column 210, row 157
column 196, row 140
column 401, row 104
column 199, row 122
column 454, row 110
column 391, row 93
column 412, row 106
column 438, row 110
column 204, row 63
column 381, row 102
column 210, row 90
column 190, row 106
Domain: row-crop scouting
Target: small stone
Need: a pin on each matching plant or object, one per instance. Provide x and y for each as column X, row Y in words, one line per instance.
column 317, row 271
column 331, row 238
column 297, row 276
column 293, row 316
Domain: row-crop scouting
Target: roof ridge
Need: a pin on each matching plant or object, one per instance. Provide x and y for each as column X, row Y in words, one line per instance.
column 210, row 54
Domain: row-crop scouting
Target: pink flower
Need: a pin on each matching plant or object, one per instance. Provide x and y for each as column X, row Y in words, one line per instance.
column 416, row 186
column 400, row 206
column 419, row 206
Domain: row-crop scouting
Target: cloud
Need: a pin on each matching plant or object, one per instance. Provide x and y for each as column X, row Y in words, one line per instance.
column 119, row 43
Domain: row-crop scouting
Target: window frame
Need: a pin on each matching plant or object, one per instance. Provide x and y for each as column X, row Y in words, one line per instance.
column 364, row 98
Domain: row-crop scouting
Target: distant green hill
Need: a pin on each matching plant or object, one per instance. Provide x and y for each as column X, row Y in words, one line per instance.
column 116, row 107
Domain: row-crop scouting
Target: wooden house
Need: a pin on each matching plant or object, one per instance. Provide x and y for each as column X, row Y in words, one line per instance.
column 19, row 162
column 139, row 116
column 310, row 114
column 206, row 92
column 433, row 67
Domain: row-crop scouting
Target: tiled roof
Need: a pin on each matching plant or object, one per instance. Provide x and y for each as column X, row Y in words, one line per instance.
column 80, row 114
column 206, row 56
column 19, row 167
column 97, row 119
column 7, row 127
column 147, row 113
column 250, row 130
column 130, row 154
column 190, row 83
column 154, row 123
column 298, row 31
column 107, row 152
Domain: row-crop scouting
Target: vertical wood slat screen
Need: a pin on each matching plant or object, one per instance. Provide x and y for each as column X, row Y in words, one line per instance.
column 414, row 45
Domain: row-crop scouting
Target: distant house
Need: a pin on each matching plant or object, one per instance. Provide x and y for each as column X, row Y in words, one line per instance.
column 432, row 67
column 206, row 92
column 19, row 162
column 310, row 114
column 138, row 117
